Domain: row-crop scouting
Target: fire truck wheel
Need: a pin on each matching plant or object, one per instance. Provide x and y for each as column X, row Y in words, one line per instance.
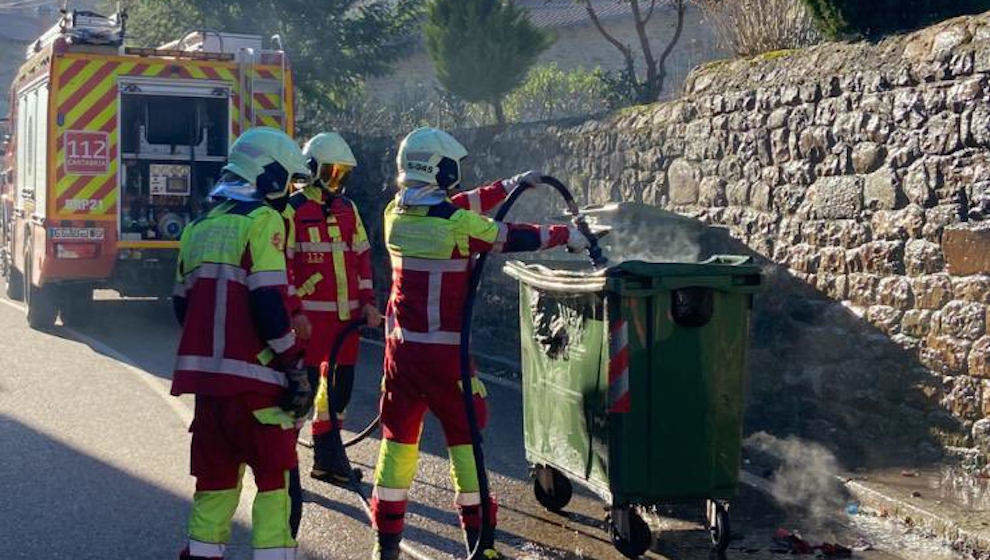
column 76, row 305
column 15, row 284
column 41, row 306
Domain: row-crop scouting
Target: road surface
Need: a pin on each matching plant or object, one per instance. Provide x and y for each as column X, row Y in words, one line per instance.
column 95, row 464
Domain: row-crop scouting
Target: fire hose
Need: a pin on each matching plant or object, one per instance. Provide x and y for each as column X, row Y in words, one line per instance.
column 597, row 259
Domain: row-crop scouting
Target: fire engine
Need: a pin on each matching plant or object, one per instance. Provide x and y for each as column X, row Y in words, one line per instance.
column 114, row 148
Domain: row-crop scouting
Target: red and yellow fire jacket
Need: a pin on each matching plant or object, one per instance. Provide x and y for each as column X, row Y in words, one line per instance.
column 430, row 249
column 230, row 293
column 329, row 257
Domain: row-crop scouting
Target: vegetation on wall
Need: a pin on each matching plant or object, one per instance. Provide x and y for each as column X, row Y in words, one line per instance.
column 482, row 49
column 550, row 92
column 873, row 19
column 750, row 27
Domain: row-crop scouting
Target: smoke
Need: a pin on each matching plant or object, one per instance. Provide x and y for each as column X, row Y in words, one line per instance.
column 646, row 233
column 806, row 479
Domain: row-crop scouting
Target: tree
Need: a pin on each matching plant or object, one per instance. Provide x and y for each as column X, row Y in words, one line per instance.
column 482, row 49
column 645, row 88
column 332, row 44
column 842, row 18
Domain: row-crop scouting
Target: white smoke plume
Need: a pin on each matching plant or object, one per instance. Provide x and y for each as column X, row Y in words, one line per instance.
column 806, row 481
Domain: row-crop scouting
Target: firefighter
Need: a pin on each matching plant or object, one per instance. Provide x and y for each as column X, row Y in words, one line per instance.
column 238, row 353
column 330, row 262
column 431, row 238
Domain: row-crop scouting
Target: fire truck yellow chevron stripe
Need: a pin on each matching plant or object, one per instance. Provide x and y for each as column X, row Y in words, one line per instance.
column 77, row 81
column 154, row 69
column 197, row 72
column 225, row 74
column 97, row 95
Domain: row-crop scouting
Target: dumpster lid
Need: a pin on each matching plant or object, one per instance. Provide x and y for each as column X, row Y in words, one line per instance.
column 575, row 277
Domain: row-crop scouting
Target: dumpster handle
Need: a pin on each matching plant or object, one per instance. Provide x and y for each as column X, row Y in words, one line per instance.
column 465, row 350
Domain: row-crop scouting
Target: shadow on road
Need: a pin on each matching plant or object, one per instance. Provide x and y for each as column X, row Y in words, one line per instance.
column 61, row 503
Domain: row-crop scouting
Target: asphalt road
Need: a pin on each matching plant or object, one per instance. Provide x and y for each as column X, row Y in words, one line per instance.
column 95, row 464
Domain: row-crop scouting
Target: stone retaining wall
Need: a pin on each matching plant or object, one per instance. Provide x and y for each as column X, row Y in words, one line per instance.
column 859, row 174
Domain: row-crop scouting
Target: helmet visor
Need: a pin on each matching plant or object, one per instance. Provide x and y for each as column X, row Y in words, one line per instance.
column 334, row 176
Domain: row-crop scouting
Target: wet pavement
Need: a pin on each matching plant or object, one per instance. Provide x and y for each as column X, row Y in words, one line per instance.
column 129, row 455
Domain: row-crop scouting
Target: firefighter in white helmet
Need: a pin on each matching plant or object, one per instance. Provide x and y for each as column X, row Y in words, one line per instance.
column 432, row 234
column 238, row 353
column 330, row 262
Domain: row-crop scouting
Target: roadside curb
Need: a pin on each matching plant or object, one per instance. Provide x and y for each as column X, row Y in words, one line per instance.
column 941, row 519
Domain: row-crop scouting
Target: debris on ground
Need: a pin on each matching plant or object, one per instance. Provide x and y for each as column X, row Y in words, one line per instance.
column 910, row 474
column 788, row 542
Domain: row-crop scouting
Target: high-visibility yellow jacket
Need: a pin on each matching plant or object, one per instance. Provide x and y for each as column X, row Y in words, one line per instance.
column 230, row 296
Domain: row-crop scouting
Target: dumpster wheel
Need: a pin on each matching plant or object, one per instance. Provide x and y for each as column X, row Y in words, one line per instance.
column 553, row 490
column 717, row 523
column 630, row 534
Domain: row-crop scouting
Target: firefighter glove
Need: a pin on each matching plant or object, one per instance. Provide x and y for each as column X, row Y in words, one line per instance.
column 530, row 178
column 578, row 241
column 297, row 399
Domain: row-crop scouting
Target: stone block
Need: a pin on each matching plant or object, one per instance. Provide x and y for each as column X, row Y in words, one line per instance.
column 832, row 260
column 931, row 291
column 879, row 190
column 867, row 157
column 833, row 286
column 895, row 291
column 838, row 197
column 967, row 249
column 918, row 186
column 972, row 288
column 938, row 218
column 682, row 181
column 922, row 257
column 737, row 193
column 882, row 257
column 711, row 192
column 803, row 258
column 961, row 319
column 761, row 196
column 962, row 397
column 885, row 318
column 862, row 288
column 979, row 359
column 917, row 322
column 946, row 354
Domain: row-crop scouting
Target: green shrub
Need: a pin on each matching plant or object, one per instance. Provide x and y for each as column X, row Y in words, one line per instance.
column 875, row 18
column 552, row 93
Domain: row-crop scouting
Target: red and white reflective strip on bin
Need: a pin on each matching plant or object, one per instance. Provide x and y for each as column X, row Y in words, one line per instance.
column 619, row 400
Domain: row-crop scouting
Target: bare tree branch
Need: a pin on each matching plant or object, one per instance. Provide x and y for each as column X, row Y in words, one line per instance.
column 649, row 14
column 601, row 29
column 644, row 45
column 662, row 63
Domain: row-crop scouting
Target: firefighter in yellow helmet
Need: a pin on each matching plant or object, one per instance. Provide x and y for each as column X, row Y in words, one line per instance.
column 238, row 353
column 330, row 264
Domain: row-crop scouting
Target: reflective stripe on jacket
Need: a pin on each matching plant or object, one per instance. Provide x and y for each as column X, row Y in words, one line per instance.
column 329, row 255
column 231, row 286
column 430, row 249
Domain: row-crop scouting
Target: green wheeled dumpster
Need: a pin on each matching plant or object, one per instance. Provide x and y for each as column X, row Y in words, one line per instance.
column 633, row 384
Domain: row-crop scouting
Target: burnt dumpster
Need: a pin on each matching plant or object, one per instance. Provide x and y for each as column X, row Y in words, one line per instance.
column 633, row 381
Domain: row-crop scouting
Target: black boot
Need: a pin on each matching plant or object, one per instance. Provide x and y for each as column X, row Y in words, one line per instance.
column 387, row 547
column 330, row 462
column 486, row 551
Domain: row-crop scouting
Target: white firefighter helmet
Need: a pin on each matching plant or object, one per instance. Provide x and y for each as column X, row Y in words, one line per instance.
column 331, row 160
column 429, row 155
column 329, row 148
column 268, row 159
